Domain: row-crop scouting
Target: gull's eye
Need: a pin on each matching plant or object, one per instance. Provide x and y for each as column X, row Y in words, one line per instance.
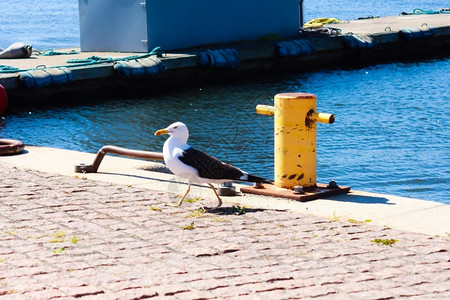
column 175, row 127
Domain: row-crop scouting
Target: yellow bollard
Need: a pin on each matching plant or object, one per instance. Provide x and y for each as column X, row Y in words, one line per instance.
column 295, row 138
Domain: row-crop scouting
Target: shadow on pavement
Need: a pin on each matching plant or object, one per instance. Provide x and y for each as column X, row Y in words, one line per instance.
column 238, row 210
column 341, row 198
column 142, row 177
column 361, row 199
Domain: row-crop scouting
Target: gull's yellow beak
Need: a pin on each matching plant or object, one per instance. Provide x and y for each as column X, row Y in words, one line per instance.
column 162, row 131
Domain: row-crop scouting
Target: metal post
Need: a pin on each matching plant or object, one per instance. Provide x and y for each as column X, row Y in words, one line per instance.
column 295, row 120
column 300, row 4
column 295, row 138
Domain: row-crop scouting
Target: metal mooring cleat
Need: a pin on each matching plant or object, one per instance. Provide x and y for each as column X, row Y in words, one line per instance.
column 295, row 120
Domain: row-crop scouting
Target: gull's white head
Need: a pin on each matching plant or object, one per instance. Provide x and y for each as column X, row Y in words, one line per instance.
column 177, row 130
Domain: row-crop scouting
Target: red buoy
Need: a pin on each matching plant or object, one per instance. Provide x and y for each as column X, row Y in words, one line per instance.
column 3, row 99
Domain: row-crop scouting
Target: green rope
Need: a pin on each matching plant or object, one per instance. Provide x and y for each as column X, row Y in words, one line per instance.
column 86, row 62
column 419, row 11
column 89, row 60
column 8, row 69
column 51, row 52
column 97, row 60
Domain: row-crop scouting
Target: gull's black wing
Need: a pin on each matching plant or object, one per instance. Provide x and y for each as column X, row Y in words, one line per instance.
column 212, row 168
column 208, row 166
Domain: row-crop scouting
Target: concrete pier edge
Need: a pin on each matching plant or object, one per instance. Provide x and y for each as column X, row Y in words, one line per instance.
column 408, row 214
column 183, row 67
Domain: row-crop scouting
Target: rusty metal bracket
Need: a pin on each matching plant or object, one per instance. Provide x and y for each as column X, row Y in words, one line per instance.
column 92, row 168
column 310, row 193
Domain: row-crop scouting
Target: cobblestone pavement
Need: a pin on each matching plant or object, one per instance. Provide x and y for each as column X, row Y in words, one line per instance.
column 66, row 237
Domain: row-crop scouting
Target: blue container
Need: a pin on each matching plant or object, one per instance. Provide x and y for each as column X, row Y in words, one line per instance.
column 140, row 26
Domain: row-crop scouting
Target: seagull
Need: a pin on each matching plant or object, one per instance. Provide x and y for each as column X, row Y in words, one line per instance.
column 197, row 166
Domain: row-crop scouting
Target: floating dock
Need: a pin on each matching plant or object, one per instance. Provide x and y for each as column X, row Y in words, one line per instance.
column 354, row 43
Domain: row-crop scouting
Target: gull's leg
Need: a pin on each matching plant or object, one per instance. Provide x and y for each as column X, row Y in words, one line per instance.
column 217, row 195
column 182, row 199
column 185, row 194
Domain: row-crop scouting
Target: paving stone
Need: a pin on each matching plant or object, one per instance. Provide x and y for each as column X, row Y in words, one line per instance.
column 406, row 292
column 68, row 238
column 51, row 293
column 375, row 295
column 353, row 287
column 317, row 291
column 434, row 287
column 133, row 293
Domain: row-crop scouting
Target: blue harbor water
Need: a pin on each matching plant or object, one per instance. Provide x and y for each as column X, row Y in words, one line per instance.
column 391, row 133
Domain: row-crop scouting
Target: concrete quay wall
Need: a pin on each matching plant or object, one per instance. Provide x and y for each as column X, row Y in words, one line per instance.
column 388, row 42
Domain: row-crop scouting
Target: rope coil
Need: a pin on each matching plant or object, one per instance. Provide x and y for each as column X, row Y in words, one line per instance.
column 85, row 62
